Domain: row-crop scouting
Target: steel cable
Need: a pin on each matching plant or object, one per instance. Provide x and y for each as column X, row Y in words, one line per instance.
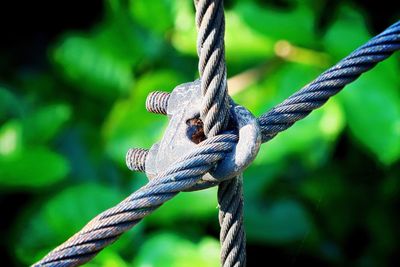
column 329, row 83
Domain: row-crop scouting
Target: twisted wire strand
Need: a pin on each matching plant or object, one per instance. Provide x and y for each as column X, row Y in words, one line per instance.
column 329, row 83
column 232, row 234
column 210, row 22
column 110, row 224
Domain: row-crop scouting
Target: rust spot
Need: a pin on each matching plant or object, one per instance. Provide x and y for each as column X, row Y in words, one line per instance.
column 195, row 130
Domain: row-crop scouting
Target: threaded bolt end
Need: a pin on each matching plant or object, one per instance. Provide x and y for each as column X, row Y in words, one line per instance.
column 136, row 159
column 157, row 102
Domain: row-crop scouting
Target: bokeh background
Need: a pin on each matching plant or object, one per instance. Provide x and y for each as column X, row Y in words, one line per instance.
column 74, row 76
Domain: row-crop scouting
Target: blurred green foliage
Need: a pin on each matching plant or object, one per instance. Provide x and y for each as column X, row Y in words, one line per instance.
column 324, row 192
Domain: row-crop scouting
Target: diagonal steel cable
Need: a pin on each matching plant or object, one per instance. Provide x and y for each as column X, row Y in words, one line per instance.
column 329, row 83
column 210, row 22
column 109, row 225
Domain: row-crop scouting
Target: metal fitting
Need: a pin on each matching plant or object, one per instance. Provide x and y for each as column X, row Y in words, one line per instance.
column 157, row 102
column 185, row 131
column 246, row 149
column 136, row 159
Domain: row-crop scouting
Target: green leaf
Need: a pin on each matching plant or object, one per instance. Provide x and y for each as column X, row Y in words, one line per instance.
column 372, row 105
column 282, row 222
column 10, row 138
column 276, row 86
column 337, row 198
column 93, row 67
column 203, row 206
column 119, row 37
column 61, row 216
column 239, row 54
column 32, row 167
column 8, row 103
column 107, row 258
column 168, row 249
column 261, row 176
column 184, row 35
column 144, row 14
column 43, row 124
column 237, row 49
column 295, row 25
column 129, row 124
column 346, row 34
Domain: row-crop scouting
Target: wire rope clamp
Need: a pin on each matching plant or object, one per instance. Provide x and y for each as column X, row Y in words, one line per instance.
column 246, row 150
column 185, row 131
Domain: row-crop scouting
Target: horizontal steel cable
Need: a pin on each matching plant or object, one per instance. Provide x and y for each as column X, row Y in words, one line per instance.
column 109, row 225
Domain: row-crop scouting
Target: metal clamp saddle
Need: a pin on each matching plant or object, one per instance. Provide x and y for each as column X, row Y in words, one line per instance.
column 185, row 131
